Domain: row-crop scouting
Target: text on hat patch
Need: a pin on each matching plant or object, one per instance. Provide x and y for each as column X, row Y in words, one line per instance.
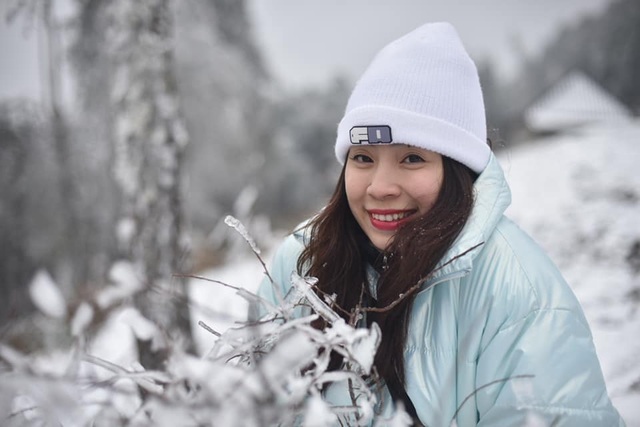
column 371, row 134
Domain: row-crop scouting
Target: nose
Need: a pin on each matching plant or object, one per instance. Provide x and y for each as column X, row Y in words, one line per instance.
column 384, row 183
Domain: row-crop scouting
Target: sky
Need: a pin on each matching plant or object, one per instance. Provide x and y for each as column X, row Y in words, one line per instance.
column 22, row 44
column 19, row 69
column 306, row 42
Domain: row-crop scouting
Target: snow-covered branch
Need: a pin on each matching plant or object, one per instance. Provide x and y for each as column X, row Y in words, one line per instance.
column 268, row 371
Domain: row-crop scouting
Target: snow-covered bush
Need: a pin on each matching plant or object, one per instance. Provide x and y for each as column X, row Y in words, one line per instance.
column 269, row 371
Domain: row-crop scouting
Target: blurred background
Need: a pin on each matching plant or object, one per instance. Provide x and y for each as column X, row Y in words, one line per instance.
column 129, row 131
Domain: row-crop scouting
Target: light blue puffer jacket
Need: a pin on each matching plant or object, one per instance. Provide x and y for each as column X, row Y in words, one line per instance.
column 499, row 311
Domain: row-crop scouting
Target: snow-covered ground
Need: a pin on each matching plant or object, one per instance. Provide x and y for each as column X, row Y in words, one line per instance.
column 578, row 195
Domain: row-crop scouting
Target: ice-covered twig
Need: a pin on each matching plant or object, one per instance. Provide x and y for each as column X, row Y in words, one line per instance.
column 258, row 338
column 233, row 222
column 13, row 357
column 304, row 286
column 247, row 295
column 151, row 381
column 209, row 328
column 237, row 225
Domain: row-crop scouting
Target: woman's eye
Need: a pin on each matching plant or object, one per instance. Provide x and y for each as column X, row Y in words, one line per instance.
column 413, row 158
column 361, row 158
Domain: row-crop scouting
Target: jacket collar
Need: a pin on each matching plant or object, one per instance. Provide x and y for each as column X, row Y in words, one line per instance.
column 492, row 197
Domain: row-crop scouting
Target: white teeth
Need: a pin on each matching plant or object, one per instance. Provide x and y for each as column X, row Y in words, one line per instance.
column 390, row 217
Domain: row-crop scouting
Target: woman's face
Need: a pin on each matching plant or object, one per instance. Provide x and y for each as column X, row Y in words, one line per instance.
column 388, row 185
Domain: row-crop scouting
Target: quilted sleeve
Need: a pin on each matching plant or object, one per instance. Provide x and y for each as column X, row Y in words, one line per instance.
column 543, row 370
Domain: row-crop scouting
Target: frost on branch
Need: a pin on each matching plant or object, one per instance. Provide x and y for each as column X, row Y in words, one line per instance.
column 267, row 371
column 240, row 228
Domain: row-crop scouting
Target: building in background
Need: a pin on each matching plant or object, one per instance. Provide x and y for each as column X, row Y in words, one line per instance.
column 574, row 101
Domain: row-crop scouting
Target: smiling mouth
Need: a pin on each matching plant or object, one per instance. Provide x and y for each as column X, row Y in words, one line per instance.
column 392, row 217
column 389, row 220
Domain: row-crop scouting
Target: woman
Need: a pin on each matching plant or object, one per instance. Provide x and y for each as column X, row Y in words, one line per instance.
column 420, row 201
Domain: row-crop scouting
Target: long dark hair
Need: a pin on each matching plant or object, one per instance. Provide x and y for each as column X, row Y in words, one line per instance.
column 336, row 256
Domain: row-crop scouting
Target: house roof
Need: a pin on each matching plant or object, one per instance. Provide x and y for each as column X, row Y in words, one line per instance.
column 574, row 101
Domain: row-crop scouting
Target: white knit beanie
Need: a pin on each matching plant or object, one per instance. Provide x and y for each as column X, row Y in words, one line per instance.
column 422, row 90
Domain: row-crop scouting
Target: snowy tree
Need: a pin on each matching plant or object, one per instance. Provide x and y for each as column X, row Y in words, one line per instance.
column 16, row 146
column 68, row 184
column 96, row 199
column 303, row 146
column 150, row 139
column 39, row 15
column 222, row 81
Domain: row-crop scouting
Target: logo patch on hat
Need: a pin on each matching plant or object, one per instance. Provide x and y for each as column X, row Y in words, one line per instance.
column 371, row 135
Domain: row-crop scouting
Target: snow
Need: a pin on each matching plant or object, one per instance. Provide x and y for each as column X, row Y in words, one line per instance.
column 46, row 295
column 81, row 319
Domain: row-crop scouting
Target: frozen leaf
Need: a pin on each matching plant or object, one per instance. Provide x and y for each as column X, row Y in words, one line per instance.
column 291, row 353
column 143, row 328
column 81, row 319
column 46, row 295
column 126, row 284
column 303, row 286
column 364, row 349
column 365, row 409
column 318, row 413
column 400, row 418
column 124, row 275
column 13, row 357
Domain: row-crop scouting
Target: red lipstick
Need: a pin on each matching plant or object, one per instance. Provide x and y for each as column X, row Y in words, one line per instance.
column 389, row 219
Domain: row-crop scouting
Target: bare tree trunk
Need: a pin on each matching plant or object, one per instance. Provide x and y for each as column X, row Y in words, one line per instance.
column 96, row 195
column 71, row 259
column 150, row 139
column 16, row 267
